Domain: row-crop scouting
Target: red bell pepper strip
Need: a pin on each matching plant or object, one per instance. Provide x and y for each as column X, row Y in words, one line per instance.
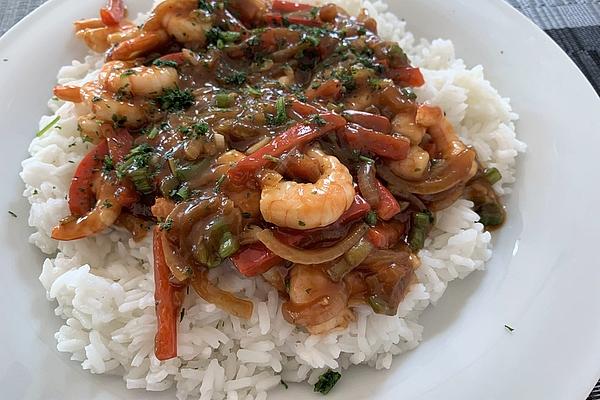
column 388, row 205
column 362, row 139
column 289, row 6
column 81, row 198
column 255, row 259
column 385, row 235
column 278, row 19
column 367, row 120
column 297, row 135
column 113, row 13
column 169, row 299
column 407, row 76
column 120, row 142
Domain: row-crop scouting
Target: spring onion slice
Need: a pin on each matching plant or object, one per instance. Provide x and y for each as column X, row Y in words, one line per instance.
column 47, row 127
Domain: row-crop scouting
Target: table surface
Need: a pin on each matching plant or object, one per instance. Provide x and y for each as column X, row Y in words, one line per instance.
column 574, row 25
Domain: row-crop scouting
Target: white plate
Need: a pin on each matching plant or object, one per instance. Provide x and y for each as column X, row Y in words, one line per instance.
column 543, row 279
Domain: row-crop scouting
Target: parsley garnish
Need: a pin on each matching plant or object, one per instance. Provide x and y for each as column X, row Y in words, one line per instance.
column 166, row 225
column 12, row 213
column 280, row 117
column 164, row 63
column 175, row 99
column 327, row 381
column 509, row 328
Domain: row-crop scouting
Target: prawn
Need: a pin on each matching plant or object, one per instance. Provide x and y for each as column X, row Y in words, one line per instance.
column 98, row 36
column 109, row 96
column 308, row 205
column 104, row 214
column 177, row 19
column 316, row 302
column 141, row 80
column 414, row 166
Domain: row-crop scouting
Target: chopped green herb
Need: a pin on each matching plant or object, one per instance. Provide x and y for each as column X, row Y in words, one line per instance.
column 166, row 225
column 301, row 223
column 327, row 381
column 153, row 133
column 223, row 100
column 280, row 117
column 490, row 214
column 35, row 191
column 136, row 166
column 492, row 175
column 108, row 164
column 362, row 31
column 181, row 314
column 509, row 328
column 271, row 158
column 128, row 72
column 409, row 94
column 371, row 218
column 165, row 63
column 219, row 183
column 47, row 127
column 205, row 5
column 175, row 99
column 236, row 78
column 253, row 91
column 366, row 159
column 229, row 37
column 314, row 12
column 285, row 385
column 317, row 120
column 422, row 223
column 183, row 193
column 107, row 204
column 229, row 245
column 12, row 213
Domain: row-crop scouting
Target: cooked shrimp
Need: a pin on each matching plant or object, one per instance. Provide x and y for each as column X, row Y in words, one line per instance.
column 139, row 45
column 414, row 166
column 88, row 126
column 103, row 215
column 117, row 79
column 177, row 19
column 316, row 302
column 308, row 205
column 140, row 81
column 104, row 106
column 405, row 124
column 100, row 37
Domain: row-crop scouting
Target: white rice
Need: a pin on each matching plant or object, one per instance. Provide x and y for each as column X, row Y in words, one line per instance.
column 103, row 285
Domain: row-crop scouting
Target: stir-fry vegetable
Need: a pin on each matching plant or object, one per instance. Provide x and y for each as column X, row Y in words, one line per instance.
column 169, row 299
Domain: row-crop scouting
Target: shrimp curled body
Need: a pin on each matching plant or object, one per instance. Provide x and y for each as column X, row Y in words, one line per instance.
column 308, row 205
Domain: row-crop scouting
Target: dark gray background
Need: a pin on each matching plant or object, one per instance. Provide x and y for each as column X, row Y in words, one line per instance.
column 573, row 24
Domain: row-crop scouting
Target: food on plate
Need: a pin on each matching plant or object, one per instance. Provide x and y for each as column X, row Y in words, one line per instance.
column 272, row 151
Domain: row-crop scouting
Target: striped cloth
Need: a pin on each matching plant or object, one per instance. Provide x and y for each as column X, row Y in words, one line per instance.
column 573, row 24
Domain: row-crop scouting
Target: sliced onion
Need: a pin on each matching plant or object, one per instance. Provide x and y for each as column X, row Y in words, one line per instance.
column 315, row 256
column 367, row 183
column 179, row 268
column 226, row 301
column 249, row 235
column 453, row 173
